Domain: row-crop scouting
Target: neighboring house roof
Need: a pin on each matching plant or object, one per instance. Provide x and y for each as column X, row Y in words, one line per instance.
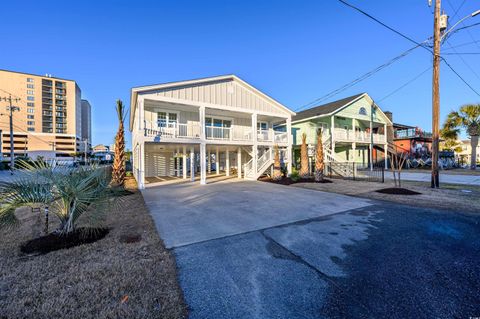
column 325, row 109
column 402, row 126
column 141, row 89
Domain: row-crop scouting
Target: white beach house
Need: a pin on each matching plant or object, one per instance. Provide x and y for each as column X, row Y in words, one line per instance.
column 211, row 126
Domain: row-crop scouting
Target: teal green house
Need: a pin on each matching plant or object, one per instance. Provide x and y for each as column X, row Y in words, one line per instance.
column 354, row 130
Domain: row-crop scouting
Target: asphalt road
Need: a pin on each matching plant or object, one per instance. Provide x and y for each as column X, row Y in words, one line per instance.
column 378, row 261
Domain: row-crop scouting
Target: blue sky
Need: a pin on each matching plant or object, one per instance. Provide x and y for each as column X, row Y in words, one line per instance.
column 294, row 51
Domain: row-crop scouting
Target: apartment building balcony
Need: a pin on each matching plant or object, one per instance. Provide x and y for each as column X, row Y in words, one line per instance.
column 346, row 135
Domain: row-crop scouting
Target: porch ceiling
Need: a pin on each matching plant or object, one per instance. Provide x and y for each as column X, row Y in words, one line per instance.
column 151, row 105
column 178, row 148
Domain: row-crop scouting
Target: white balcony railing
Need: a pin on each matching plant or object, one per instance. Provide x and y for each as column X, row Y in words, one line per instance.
column 358, row 136
column 191, row 130
column 218, row 133
column 272, row 136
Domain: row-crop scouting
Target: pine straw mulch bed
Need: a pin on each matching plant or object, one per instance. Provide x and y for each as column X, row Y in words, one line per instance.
column 127, row 274
column 289, row 181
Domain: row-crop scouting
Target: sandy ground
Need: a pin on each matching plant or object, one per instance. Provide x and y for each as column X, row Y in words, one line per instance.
column 106, row 279
column 458, row 197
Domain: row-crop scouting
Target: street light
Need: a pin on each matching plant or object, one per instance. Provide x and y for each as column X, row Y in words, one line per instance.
column 458, row 22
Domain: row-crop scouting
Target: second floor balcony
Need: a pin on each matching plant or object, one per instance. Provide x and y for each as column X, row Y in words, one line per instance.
column 192, row 130
column 341, row 134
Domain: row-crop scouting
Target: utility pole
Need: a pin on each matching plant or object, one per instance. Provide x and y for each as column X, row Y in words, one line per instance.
column 435, row 182
column 11, row 109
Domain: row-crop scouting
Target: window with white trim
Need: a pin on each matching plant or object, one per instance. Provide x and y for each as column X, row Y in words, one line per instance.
column 167, row 119
column 263, row 126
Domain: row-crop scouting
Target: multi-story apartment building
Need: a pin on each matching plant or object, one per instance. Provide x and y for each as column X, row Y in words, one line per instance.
column 51, row 119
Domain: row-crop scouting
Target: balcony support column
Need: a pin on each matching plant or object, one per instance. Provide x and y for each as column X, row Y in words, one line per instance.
column 201, row 117
column 217, row 162
column 289, row 145
column 141, row 177
column 239, row 162
column 371, row 139
column 354, row 152
column 203, row 164
column 209, row 162
column 332, row 134
column 184, row 164
column 192, row 164
column 227, row 163
column 255, row 143
column 354, row 130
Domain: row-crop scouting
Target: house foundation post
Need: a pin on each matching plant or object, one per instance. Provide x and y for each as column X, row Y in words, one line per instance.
column 227, row 163
column 209, row 162
column 184, row 162
column 289, row 146
column 255, row 144
column 192, row 164
column 239, row 162
column 217, row 162
column 203, row 164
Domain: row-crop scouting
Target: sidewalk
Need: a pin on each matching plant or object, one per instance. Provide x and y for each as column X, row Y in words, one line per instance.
column 444, row 178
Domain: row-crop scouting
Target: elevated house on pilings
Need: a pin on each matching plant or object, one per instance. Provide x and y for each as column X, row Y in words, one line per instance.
column 212, row 126
column 354, row 131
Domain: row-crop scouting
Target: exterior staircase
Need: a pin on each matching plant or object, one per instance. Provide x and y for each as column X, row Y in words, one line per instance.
column 338, row 167
column 263, row 163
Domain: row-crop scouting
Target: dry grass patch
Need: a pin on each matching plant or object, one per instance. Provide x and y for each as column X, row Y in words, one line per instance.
column 128, row 274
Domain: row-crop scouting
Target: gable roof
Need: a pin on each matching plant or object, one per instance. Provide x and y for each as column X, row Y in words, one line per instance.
column 136, row 90
column 325, row 109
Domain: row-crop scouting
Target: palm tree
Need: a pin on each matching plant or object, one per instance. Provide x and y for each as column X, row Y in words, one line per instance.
column 304, row 158
column 277, row 172
column 69, row 193
column 319, row 161
column 468, row 118
column 118, row 173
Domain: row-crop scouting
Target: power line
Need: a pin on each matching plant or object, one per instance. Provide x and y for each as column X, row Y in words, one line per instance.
column 358, row 80
column 458, row 9
column 411, row 40
column 462, row 45
column 385, row 25
column 462, row 53
column 16, row 96
column 465, row 62
column 460, row 77
column 455, row 14
column 405, row 84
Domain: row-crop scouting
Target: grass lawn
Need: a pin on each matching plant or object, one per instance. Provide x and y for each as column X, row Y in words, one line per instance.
column 111, row 278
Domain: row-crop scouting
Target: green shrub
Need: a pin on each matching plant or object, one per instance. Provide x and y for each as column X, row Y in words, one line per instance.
column 295, row 176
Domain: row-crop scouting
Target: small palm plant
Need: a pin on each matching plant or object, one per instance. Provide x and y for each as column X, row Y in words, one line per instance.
column 68, row 192
column 319, row 161
column 304, row 171
column 277, row 172
column 118, row 173
column 468, row 118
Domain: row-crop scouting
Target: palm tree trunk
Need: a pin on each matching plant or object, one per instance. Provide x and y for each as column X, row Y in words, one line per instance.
column 473, row 144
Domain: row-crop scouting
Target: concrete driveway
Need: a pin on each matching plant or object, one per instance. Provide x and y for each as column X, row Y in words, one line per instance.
column 316, row 255
column 189, row 213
